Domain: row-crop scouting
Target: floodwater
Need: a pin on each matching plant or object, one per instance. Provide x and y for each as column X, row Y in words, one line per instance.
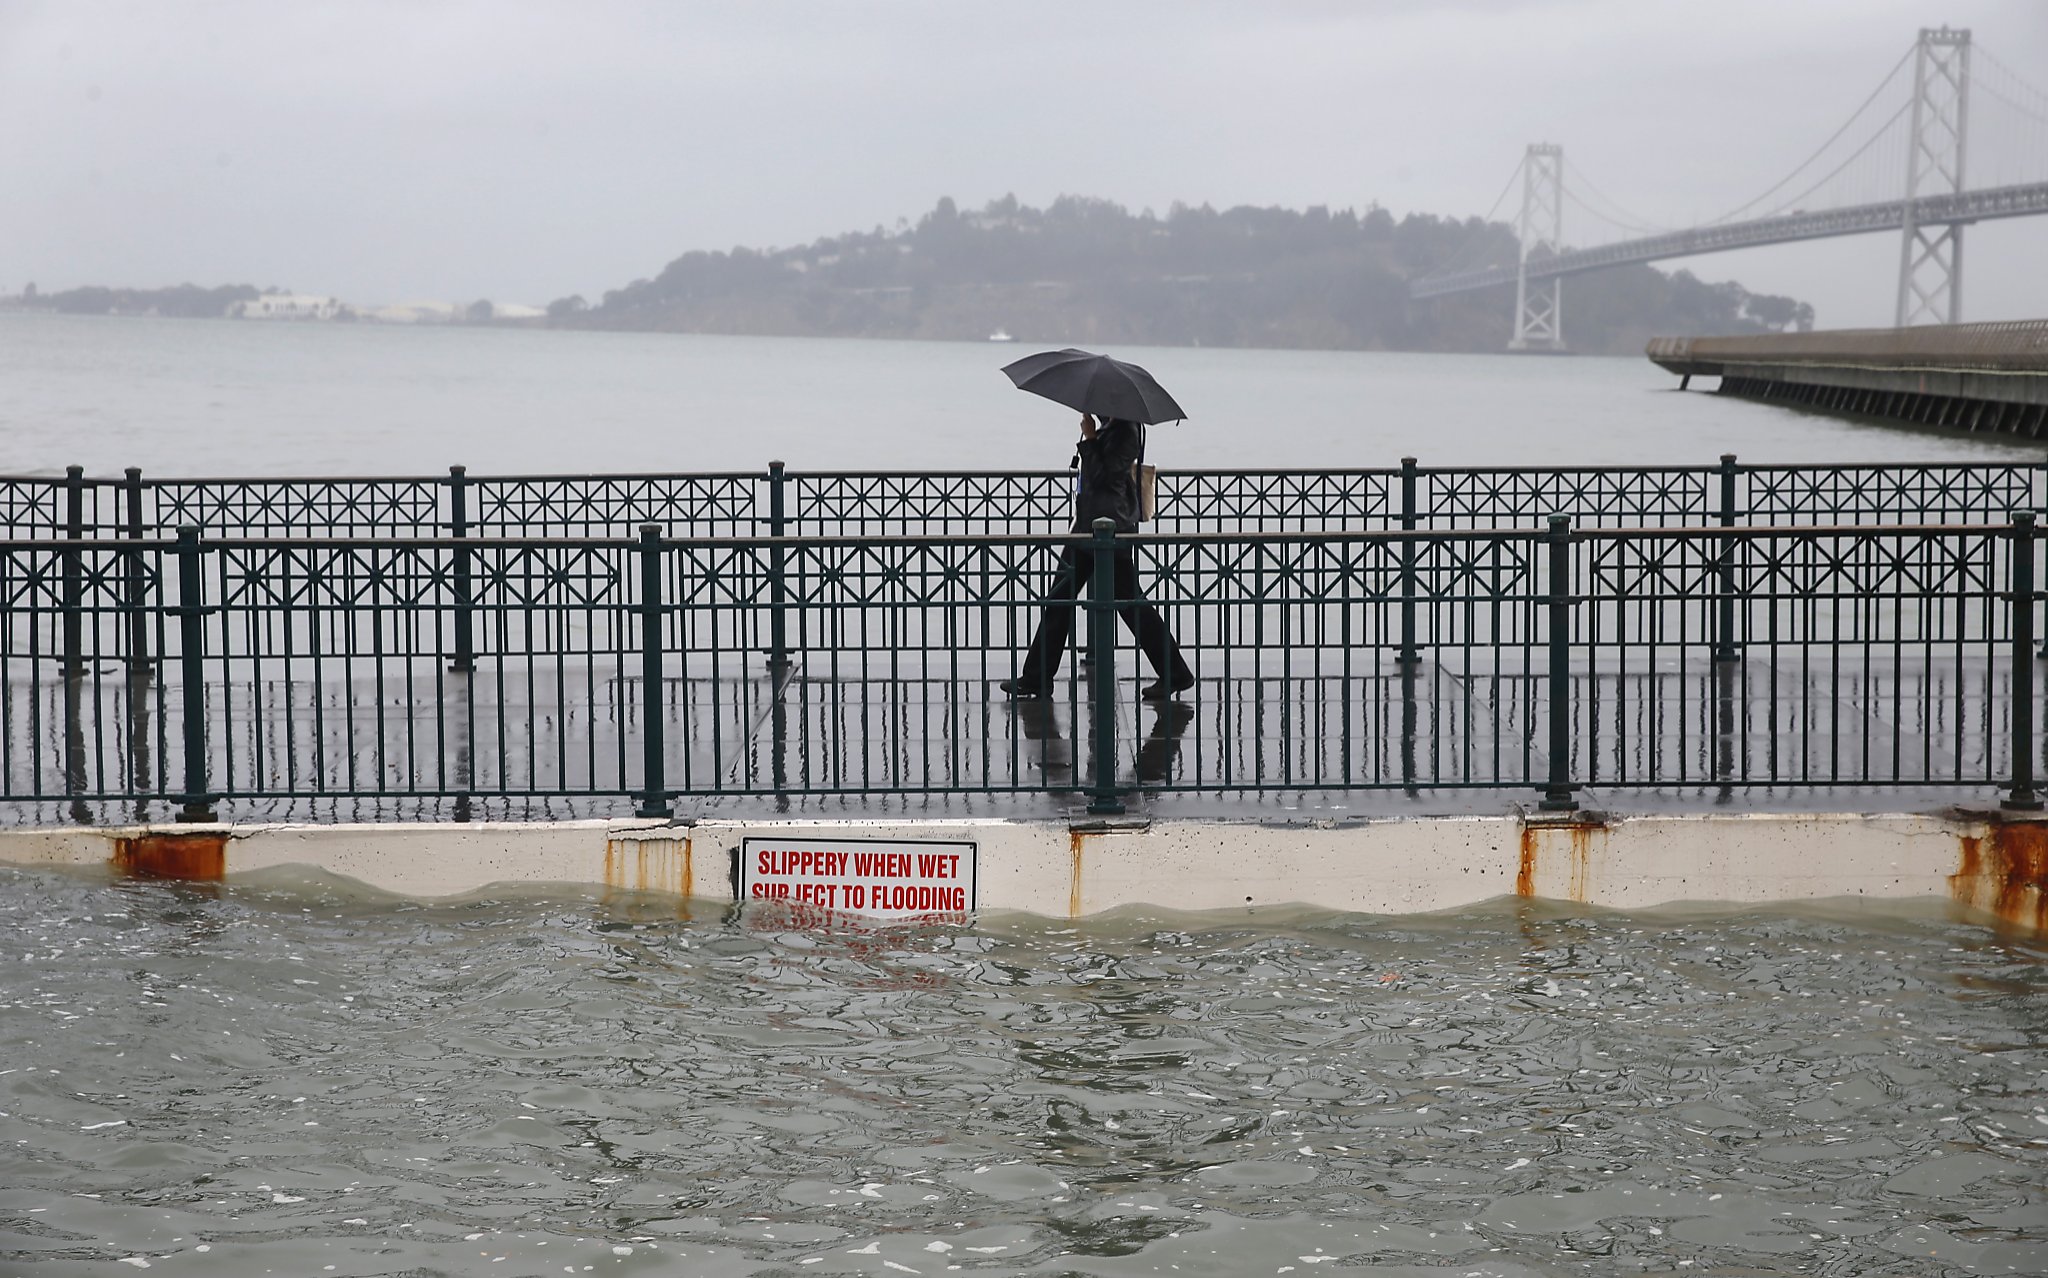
column 289, row 1076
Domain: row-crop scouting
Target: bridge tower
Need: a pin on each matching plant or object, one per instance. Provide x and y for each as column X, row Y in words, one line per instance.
column 1931, row 258
column 1539, row 306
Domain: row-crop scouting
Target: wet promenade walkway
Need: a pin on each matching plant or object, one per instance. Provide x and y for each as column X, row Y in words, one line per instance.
column 1444, row 738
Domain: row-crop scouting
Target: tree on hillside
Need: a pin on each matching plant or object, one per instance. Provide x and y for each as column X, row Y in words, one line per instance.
column 1088, row 269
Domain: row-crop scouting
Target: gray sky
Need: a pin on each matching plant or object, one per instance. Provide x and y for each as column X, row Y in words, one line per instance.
column 521, row 150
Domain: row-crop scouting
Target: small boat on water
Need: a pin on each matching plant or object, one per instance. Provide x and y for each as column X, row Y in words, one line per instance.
column 1001, row 335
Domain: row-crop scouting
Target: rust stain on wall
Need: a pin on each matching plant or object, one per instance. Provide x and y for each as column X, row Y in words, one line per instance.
column 1582, row 857
column 1579, row 835
column 651, row 865
column 2005, row 871
column 196, row 857
column 1076, row 841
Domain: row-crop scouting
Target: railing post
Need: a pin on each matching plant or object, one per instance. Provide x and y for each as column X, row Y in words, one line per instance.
column 1102, row 672
column 2022, row 798
column 1409, row 656
column 74, row 572
column 458, row 528
column 654, row 784
column 1557, row 794
column 196, row 804
column 778, row 525
column 135, row 579
column 1724, row 611
column 2039, row 494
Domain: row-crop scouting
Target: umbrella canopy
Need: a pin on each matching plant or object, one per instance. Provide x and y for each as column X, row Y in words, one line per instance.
column 1095, row 384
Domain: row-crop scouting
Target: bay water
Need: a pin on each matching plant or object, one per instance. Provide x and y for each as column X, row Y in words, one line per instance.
column 184, row 398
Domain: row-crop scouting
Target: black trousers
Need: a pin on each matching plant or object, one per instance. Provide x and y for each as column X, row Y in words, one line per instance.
column 1042, row 662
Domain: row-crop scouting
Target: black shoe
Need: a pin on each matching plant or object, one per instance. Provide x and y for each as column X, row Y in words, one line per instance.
column 1161, row 690
column 1025, row 691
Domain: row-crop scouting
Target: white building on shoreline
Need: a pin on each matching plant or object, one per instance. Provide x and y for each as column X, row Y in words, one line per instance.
column 288, row 306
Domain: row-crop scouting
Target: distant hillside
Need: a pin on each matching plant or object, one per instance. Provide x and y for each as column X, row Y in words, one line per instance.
column 187, row 300
column 1090, row 271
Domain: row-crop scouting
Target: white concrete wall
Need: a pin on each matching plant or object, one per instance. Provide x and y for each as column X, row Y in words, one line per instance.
column 1382, row 867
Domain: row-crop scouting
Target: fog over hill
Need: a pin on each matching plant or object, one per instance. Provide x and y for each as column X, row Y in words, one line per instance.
column 1090, row 271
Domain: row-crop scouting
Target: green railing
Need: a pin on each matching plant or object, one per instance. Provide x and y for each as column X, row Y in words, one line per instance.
column 541, row 676
column 780, row 501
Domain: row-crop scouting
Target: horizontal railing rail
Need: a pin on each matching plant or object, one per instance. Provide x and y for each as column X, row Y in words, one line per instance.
column 186, row 672
column 779, row 501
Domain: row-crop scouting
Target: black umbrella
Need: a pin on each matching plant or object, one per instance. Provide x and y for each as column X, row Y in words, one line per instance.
column 1095, row 384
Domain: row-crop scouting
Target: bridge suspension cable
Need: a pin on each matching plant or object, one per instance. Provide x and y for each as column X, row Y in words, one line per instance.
column 2009, row 121
column 1873, row 184
column 1836, row 136
column 1576, row 181
column 1898, row 170
column 1886, row 178
column 2020, row 86
column 1475, row 247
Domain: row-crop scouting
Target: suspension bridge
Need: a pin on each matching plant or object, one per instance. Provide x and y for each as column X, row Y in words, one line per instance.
column 1896, row 164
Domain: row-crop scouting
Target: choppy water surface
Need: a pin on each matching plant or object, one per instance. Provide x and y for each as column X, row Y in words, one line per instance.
column 275, row 1078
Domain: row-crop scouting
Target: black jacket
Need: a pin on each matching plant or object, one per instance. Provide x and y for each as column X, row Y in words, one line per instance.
column 1108, row 478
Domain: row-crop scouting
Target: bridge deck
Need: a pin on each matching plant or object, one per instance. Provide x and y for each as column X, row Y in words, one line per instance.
column 2023, row 200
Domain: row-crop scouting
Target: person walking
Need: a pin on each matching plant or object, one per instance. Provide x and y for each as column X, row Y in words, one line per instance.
column 1110, row 455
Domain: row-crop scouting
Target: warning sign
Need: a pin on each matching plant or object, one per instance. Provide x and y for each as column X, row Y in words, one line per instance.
column 889, row 879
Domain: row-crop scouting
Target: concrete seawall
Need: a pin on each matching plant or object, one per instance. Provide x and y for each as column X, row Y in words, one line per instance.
column 1980, row 861
column 1977, row 377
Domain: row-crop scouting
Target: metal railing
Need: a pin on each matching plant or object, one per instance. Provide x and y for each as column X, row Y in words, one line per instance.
column 530, row 673
column 781, row 502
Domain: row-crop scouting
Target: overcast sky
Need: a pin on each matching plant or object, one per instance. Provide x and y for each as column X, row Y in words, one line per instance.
column 523, row 150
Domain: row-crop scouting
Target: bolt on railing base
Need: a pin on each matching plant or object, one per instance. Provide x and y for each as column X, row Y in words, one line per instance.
column 1106, row 807
column 198, row 813
column 1558, row 801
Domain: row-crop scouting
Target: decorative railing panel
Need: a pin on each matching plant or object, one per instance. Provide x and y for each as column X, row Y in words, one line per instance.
column 709, row 505
column 1602, row 497
column 1774, row 496
column 1021, row 503
column 295, row 507
column 883, row 504
column 1278, row 501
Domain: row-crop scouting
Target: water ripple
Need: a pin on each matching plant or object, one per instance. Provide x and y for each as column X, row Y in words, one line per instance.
column 288, row 1076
